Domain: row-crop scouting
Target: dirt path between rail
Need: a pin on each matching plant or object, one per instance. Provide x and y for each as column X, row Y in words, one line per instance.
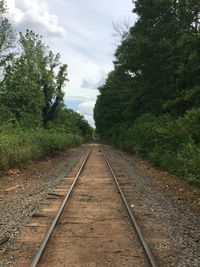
column 94, row 229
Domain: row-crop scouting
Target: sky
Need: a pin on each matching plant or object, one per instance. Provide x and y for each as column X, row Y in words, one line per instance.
column 82, row 32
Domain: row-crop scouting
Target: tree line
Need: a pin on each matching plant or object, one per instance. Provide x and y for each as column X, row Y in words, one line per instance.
column 32, row 79
column 150, row 102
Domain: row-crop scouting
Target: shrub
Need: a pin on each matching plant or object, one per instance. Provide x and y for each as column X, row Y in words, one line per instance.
column 19, row 148
column 171, row 144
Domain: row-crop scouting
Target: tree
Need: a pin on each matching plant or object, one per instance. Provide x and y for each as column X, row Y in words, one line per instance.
column 7, row 36
column 156, row 67
column 32, row 87
column 41, row 65
column 72, row 122
column 120, row 30
column 21, row 95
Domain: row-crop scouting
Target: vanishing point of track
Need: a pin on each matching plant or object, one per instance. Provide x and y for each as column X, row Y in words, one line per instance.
column 100, row 154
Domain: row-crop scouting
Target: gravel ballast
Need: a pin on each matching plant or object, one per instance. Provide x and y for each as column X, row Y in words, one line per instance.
column 174, row 215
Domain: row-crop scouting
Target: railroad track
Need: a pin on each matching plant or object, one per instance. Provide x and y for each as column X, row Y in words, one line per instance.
column 91, row 227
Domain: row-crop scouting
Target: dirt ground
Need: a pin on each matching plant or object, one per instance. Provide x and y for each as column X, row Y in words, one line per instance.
column 167, row 208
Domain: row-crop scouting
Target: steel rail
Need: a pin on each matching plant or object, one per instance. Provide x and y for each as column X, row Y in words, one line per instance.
column 56, row 219
column 145, row 246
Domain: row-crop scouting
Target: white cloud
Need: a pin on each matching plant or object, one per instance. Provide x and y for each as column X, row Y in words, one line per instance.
column 83, row 105
column 87, row 84
column 90, row 119
column 80, row 98
column 86, row 107
column 35, row 15
column 94, row 84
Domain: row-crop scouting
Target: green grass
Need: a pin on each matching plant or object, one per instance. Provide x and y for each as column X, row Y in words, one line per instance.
column 19, row 148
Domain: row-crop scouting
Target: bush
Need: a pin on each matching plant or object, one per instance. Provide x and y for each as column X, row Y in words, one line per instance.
column 189, row 162
column 171, row 144
column 19, row 148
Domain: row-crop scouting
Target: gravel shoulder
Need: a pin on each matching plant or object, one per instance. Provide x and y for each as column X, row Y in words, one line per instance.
column 167, row 208
column 21, row 191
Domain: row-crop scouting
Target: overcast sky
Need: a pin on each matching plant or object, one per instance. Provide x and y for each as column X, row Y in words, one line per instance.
column 81, row 30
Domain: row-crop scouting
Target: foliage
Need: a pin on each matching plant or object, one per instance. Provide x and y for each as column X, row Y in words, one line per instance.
column 70, row 121
column 21, row 147
column 34, row 122
column 41, row 66
column 150, row 102
column 7, row 36
column 31, row 85
column 21, row 96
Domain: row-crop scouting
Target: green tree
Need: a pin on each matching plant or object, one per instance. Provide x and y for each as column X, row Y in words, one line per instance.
column 42, row 65
column 21, row 95
column 7, row 36
column 32, row 87
column 150, row 102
